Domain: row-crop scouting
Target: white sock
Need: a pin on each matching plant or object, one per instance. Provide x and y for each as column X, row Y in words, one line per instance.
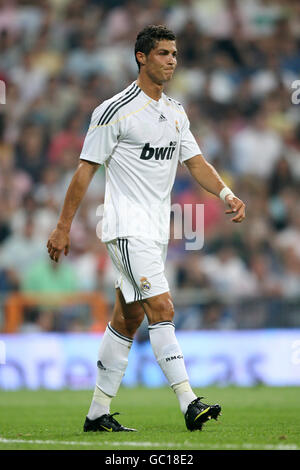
column 112, row 363
column 170, row 358
column 100, row 404
column 184, row 394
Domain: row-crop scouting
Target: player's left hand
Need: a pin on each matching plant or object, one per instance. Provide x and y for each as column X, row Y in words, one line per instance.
column 237, row 207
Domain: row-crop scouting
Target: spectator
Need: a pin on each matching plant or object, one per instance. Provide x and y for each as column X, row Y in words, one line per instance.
column 281, row 177
column 30, row 80
column 70, row 138
column 228, row 274
column 291, row 274
column 248, row 145
column 85, row 60
column 236, row 63
column 45, row 277
column 30, row 151
column 19, row 251
column 289, row 238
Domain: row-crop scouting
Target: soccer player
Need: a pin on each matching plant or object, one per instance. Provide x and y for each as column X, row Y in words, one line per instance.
column 140, row 135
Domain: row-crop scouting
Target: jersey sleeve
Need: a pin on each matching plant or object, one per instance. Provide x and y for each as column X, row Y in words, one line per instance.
column 100, row 139
column 188, row 145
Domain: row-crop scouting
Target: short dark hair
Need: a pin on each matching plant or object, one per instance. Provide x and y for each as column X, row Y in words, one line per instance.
column 147, row 38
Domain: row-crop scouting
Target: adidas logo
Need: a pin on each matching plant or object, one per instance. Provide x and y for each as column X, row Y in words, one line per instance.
column 162, row 118
column 100, row 365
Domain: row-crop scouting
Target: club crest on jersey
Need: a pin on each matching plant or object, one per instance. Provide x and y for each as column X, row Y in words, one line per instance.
column 145, row 284
column 159, row 153
column 177, row 126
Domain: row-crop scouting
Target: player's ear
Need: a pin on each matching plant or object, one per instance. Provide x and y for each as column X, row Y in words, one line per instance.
column 141, row 58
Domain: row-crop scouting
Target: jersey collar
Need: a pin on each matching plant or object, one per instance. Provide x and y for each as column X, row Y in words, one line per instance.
column 156, row 103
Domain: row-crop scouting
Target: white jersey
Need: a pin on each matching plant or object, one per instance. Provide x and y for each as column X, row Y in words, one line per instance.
column 140, row 141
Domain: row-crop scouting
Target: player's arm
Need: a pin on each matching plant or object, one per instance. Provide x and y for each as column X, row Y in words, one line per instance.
column 207, row 176
column 98, row 145
column 59, row 239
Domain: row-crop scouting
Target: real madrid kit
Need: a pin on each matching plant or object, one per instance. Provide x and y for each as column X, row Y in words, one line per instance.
column 140, row 141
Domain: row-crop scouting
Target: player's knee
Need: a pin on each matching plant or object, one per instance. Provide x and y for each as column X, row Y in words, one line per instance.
column 127, row 324
column 161, row 310
column 132, row 324
column 167, row 310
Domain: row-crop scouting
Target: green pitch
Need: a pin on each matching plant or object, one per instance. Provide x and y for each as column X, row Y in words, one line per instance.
column 252, row 418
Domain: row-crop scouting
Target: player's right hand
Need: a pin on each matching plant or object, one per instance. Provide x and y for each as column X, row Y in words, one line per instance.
column 59, row 241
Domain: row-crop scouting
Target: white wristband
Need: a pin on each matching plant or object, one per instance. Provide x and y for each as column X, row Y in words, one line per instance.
column 224, row 192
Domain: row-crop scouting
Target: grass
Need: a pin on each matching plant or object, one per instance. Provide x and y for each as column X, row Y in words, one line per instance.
column 252, row 418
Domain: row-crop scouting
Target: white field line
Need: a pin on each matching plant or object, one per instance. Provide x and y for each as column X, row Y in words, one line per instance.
column 171, row 445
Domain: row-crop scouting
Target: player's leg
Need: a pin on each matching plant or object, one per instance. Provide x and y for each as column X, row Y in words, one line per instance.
column 113, row 358
column 126, row 318
column 160, row 311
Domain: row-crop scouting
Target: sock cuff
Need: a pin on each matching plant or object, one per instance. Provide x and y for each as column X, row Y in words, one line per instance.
column 182, row 387
column 161, row 324
column 118, row 336
column 100, row 395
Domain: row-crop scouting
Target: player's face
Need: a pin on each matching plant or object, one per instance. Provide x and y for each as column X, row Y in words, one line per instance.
column 161, row 62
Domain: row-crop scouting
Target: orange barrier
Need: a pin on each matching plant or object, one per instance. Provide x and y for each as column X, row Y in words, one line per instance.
column 16, row 302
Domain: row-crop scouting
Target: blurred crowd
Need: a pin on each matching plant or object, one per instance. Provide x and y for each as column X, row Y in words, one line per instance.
column 238, row 61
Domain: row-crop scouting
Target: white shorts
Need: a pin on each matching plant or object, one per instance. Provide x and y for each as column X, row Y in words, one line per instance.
column 140, row 264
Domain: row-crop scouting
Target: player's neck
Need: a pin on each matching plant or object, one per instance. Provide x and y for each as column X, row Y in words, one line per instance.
column 151, row 89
